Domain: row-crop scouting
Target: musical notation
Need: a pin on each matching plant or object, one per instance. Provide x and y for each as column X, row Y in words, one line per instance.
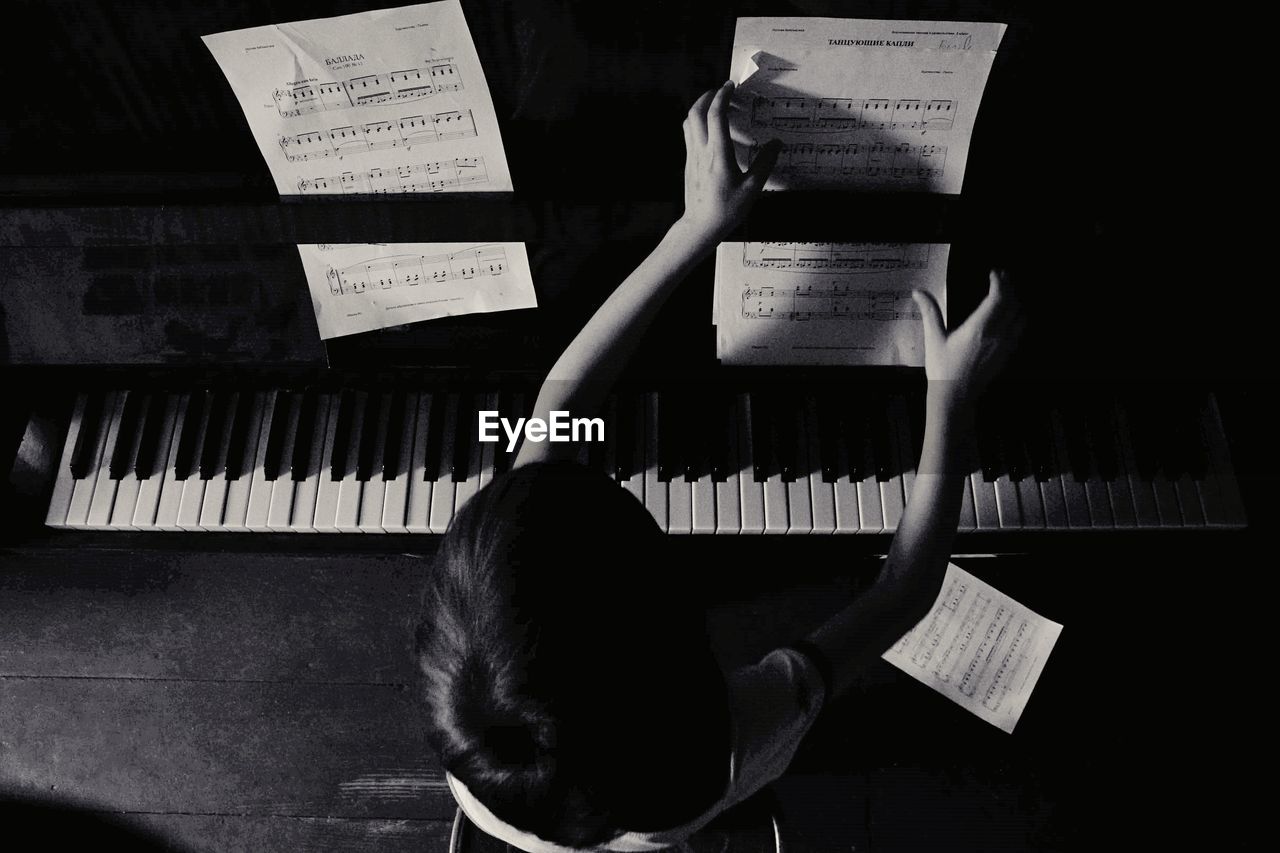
column 835, row 301
column 378, row 135
column 880, row 160
column 413, row 270
column 842, row 257
column 839, row 115
column 394, row 87
column 433, row 177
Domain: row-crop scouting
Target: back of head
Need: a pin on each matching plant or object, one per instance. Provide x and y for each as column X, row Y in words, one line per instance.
column 569, row 683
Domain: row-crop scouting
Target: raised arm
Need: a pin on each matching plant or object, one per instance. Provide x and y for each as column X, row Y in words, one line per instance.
column 717, row 196
column 959, row 366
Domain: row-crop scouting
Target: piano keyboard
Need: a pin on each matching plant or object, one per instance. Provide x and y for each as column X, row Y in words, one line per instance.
column 397, row 461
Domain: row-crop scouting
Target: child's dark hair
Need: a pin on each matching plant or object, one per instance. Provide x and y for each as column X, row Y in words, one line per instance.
column 568, row 678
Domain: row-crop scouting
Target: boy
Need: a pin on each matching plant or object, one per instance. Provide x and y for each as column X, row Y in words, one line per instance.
column 573, row 697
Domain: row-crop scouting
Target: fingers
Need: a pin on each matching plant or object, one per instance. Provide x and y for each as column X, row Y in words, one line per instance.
column 999, row 306
column 696, row 121
column 718, row 125
column 762, row 166
column 931, row 316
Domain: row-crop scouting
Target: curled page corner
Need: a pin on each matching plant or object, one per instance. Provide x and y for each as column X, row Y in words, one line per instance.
column 751, row 68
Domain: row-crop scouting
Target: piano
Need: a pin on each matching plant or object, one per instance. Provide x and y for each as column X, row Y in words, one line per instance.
column 399, row 457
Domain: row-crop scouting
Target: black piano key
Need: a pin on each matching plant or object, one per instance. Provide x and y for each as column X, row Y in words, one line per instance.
column 307, row 414
column 193, row 433
column 1102, row 440
column 395, row 431
column 342, row 434
column 596, row 452
column 668, row 435
column 210, row 454
column 506, row 406
column 146, row 462
column 1079, row 459
column 1015, row 450
column 466, row 427
column 763, row 462
column 698, row 422
column 879, row 426
column 435, row 436
column 785, row 435
column 279, row 430
column 723, row 428
column 91, row 425
column 370, row 426
column 624, row 435
column 853, row 431
column 121, row 458
column 240, row 426
column 1195, row 448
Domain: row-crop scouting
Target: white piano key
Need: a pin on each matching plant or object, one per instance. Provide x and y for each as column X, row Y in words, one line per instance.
column 82, row 492
column 822, row 496
column 104, row 488
column 129, row 485
column 1008, row 509
column 906, row 447
column 467, row 488
column 307, row 490
column 166, row 517
column 1055, row 506
column 968, row 512
column 799, row 499
column 347, row 517
column 487, row 448
column 63, row 482
column 259, row 506
column 283, row 488
column 236, row 508
column 1099, row 499
column 1073, row 491
column 418, row 512
column 679, row 505
column 1230, row 510
column 1146, row 513
column 147, row 508
column 703, row 492
column 374, row 492
column 750, row 493
column 986, row 508
column 655, row 491
column 1031, row 503
column 193, row 488
column 870, row 507
column 328, row 485
column 443, row 489
column 395, row 502
column 635, row 483
column 215, row 489
column 1189, row 501
column 727, row 497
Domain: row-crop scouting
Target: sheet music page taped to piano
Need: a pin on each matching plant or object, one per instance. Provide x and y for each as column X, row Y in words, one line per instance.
column 358, row 287
column 861, row 104
column 979, row 648
column 824, row 303
column 390, row 101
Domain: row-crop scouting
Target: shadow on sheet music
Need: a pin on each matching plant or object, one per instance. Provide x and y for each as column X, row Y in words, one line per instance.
column 48, row 824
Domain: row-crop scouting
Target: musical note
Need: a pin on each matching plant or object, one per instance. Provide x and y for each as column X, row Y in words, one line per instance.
column 807, row 302
column 412, row 270
column 432, row 177
column 840, row 115
column 378, row 136
column 844, row 257
column 394, row 87
column 902, row 162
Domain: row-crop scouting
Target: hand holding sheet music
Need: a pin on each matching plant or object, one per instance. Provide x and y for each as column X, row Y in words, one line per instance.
column 861, row 104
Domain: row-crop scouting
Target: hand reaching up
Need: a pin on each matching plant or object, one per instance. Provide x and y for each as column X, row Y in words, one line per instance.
column 962, row 362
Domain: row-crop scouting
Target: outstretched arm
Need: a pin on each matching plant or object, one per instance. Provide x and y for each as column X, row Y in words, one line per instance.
column 959, row 366
column 717, row 196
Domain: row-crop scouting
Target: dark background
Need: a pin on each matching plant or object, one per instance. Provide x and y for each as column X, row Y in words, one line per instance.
column 1111, row 168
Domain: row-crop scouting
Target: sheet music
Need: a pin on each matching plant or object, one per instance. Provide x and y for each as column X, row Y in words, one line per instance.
column 358, row 287
column 824, row 303
column 979, row 648
column 861, row 104
column 390, row 101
